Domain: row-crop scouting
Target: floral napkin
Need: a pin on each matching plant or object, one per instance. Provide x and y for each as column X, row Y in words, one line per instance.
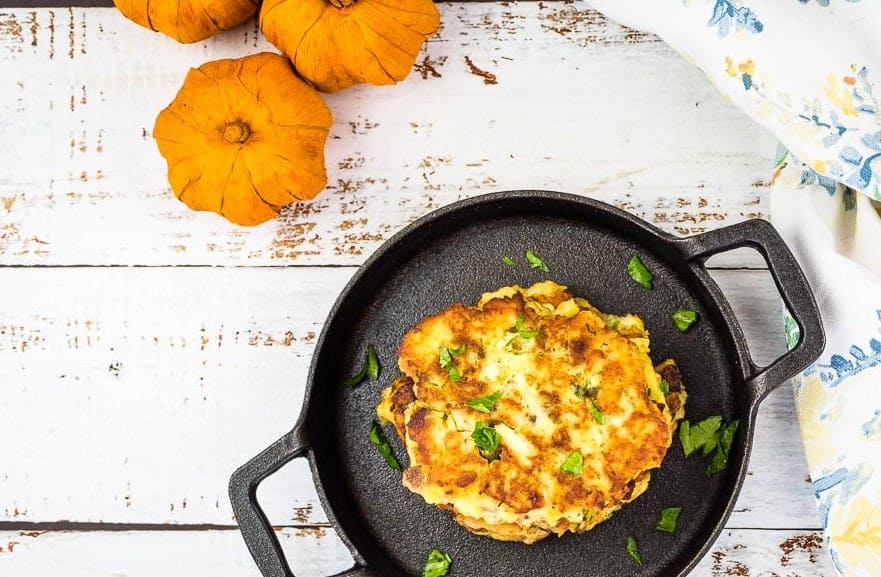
column 810, row 71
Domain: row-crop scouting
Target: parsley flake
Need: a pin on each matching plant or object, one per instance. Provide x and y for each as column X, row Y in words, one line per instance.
column 720, row 458
column 446, row 361
column 709, row 436
column 370, row 368
column 640, row 273
column 508, row 260
column 487, row 440
column 668, row 519
column 535, row 261
column 665, row 386
column 377, row 438
column 437, row 565
column 633, row 549
column 485, row 404
column 596, row 412
column 573, row 464
column 683, row 319
column 524, row 333
column 694, row 437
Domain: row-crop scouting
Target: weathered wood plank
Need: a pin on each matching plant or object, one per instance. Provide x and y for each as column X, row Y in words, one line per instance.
column 130, row 394
column 581, row 105
column 319, row 553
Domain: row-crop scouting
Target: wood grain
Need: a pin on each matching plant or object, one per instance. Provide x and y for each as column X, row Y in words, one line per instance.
column 568, row 113
column 131, row 394
column 319, row 553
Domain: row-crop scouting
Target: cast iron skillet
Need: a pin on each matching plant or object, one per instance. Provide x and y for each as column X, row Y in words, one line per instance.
column 453, row 255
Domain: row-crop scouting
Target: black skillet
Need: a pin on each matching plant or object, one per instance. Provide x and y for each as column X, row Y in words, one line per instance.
column 453, row 255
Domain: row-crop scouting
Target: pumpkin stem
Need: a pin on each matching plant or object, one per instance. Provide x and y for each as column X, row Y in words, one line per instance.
column 236, row 132
column 342, row 3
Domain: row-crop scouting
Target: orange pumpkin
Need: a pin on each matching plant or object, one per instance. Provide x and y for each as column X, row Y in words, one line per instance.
column 337, row 43
column 244, row 137
column 188, row 20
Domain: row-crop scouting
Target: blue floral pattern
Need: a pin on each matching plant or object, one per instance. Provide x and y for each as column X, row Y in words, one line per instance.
column 727, row 15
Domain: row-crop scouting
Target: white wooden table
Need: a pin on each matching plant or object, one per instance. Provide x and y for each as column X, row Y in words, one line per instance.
column 147, row 350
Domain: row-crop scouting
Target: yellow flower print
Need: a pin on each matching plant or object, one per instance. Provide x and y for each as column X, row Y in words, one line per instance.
column 746, row 67
column 854, row 532
column 744, row 70
column 840, row 94
column 729, row 67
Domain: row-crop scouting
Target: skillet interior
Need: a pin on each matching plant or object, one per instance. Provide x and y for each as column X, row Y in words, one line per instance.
column 455, row 258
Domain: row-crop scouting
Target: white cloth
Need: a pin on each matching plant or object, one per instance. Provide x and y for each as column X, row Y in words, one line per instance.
column 810, row 71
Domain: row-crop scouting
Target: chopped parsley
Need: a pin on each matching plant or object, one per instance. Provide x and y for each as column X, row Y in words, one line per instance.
column 720, row 458
column 668, row 519
column 596, row 412
column 683, row 319
column 633, row 549
column 694, row 437
column 485, row 404
column 369, row 369
column 437, row 565
column 524, row 333
column 379, row 441
column 508, row 260
column 446, row 361
column 535, row 261
column 640, row 273
column 709, row 436
column 665, row 386
column 487, row 440
column 573, row 464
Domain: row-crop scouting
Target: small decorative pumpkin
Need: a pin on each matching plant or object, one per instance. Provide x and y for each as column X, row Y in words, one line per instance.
column 188, row 20
column 337, row 43
column 244, row 137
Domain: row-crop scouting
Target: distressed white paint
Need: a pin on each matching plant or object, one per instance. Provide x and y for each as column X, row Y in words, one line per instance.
column 130, row 394
column 737, row 553
column 581, row 105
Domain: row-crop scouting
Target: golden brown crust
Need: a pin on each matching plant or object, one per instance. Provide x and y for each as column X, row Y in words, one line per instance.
column 567, row 382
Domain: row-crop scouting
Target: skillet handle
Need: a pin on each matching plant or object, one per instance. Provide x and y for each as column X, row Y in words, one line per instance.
column 793, row 288
column 258, row 533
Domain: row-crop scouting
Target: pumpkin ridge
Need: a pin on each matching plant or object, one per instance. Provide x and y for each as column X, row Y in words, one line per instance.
column 264, row 12
column 398, row 9
column 274, row 207
column 172, row 166
column 303, row 37
column 315, row 174
column 209, row 16
column 372, row 51
column 186, row 186
column 232, row 167
column 187, row 121
column 238, row 76
column 177, row 17
column 292, row 196
column 147, row 14
column 390, row 9
column 257, row 100
column 387, row 39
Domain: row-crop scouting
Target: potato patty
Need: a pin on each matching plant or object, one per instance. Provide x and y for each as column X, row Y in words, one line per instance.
column 531, row 413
